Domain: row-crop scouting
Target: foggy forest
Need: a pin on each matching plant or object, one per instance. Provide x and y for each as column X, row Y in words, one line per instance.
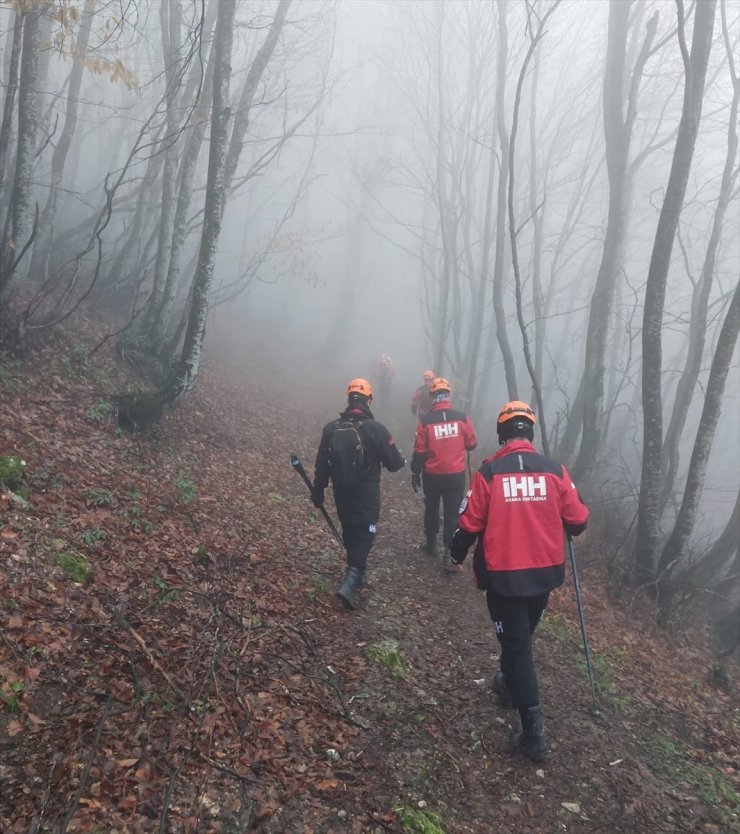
column 537, row 199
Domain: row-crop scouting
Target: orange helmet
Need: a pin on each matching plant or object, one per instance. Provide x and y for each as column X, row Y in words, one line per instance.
column 429, row 375
column 515, row 408
column 360, row 386
column 440, row 384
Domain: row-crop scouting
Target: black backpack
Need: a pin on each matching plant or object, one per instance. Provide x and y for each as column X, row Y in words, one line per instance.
column 346, row 454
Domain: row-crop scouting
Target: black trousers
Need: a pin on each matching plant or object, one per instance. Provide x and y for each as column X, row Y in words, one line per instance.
column 450, row 489
column 514, row 621
column 358, row 540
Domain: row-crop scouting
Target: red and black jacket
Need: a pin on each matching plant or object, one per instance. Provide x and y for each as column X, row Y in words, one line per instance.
column 518, row 507
column 443, row 436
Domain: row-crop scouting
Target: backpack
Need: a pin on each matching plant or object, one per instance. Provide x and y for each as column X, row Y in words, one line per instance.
column 346, row 454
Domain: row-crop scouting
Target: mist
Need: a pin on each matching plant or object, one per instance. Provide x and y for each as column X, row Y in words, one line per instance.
column 473, row 187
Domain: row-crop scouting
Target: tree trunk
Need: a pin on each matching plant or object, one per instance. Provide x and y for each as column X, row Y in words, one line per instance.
column 186, row 371
column 536, row 387
column 254, row 76
column 503, row 180
column 618, row 126
column 678, row 540
column 170, row 16
column 163, row 316
column 695, row 67
column 14, row 260
column 476, row 325
column 699, row 306
column 59, row 157
column 9, row 105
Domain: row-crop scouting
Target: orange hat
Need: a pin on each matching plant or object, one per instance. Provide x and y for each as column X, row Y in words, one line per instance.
column 440, row 384
column 360, row 386
column 515, row 408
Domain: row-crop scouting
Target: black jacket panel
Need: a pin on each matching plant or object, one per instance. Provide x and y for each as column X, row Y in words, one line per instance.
column 360, row 503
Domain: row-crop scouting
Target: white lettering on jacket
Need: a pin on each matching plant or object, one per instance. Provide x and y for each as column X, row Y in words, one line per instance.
column 525, row 488
column 443, row 430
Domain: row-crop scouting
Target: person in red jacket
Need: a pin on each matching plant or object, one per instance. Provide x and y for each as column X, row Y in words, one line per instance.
column 421, row 402
column 517, row 508
column 443, row 437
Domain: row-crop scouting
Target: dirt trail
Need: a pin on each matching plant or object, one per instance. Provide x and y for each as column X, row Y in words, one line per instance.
column 204, row 679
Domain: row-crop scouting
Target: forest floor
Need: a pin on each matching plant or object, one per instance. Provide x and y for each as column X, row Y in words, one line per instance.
column 173, row 657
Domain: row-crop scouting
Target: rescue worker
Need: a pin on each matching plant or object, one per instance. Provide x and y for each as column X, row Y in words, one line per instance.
column 385, row 371
column 517, row 508
column 421, row 402
column 351, row 453
column 443, row 437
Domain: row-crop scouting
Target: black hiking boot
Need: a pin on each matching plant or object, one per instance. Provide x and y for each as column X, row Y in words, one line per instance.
column 350, row 584
column 530, row 740
column 430, row 546
column 501, row 690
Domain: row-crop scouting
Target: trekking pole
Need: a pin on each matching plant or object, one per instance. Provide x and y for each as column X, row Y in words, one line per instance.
column 298, row 466
column 579, row 603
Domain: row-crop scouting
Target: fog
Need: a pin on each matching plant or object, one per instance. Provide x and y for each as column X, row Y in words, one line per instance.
column 372, row 209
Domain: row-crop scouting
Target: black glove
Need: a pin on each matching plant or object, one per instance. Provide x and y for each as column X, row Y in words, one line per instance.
column 458, row 556
column 317, row 497
column 415, row 481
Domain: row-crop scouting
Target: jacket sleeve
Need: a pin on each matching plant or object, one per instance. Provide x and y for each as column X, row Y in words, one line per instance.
column 321, row 467
column 390, row 455
column 474, row 511
column 471, row 439
column 420, row 448
column 573, row 511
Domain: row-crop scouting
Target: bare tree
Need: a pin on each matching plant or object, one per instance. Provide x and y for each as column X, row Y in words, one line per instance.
column 675, row 547
column 19, row 225
column 695, row 69
column 619, row 119
column 700, row 296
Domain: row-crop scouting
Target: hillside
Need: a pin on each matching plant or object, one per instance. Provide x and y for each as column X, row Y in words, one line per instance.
column 172, row 658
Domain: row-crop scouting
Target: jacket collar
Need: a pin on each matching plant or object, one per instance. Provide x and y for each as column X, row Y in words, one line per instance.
column 514, row 447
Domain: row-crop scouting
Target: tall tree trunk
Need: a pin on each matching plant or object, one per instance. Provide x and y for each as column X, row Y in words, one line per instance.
column 9, row 105
column 476, row 325
column 618, row 126
column 695, row 68
column 19, row 225
column 59, row 157
column 186, row 371
column 162, row 320
column 677, row 542
column 251, row 83
column 699, row 307
column 170, row 17
column 536, row 211
column 443, row 200
column 499, row 269
column 535, row 37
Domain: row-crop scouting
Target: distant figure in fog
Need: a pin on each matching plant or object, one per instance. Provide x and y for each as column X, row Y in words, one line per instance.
column 421, row 402
column 351, row 453
column 385, row 372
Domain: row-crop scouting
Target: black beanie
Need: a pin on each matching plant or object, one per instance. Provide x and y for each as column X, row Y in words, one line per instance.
column 518, row 427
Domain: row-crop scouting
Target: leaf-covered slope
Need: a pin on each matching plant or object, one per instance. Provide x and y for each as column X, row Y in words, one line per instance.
column 172, row 657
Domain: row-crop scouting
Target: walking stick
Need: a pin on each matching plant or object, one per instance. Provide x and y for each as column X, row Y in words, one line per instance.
column 298, row 466
column 579, row 602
